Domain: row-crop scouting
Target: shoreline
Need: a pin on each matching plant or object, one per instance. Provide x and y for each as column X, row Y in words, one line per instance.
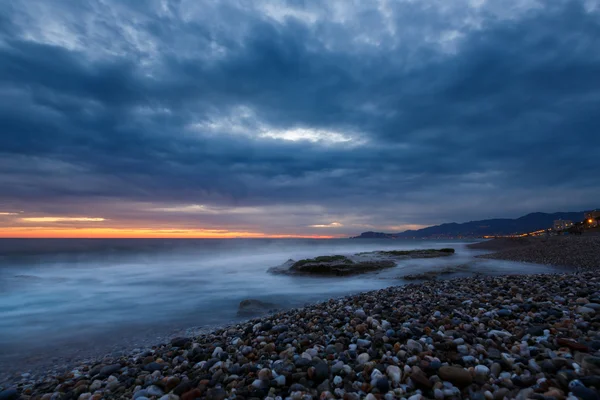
column 345, row 341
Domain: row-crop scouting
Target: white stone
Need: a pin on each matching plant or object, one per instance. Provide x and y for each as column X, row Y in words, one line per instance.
column 502, row 334
column 97, row 384
column 414, row 346
column 216, row 352
column 362, row 358
column 280, row 380
column 394, row 373
column 482, row 370
column 153, row 390
column 257, row 383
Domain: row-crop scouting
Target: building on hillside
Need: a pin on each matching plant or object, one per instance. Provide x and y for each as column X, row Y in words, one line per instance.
column 592, row 218
column 562, row 224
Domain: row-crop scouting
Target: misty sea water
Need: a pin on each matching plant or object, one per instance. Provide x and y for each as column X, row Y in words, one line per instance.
column 97, row 295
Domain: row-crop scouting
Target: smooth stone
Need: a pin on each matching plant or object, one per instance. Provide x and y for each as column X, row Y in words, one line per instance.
column 321, row 372
column 180, row 341
column 182, row 388
column 383, row 385
column 154, row 366
column 456, row 375
column 264, row 374
column 96, row 384
column 394, row 373
column 216, row 394
column 109, row 370
column 585, row 310
column 414, row 346
column 482, row 371
column 280, row 380
column 257, row 383
column 337, row 367
column 324, row 386
column 362, row 358
column 584, row 393
column 216, row 352
column 501, row 393
column 141, row 393
column 421, row 380
column 9, row 394
column 154, row 390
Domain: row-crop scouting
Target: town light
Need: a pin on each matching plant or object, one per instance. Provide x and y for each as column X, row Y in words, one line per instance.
column 590, row 220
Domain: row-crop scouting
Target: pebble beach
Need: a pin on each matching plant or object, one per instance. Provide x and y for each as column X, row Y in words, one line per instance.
column 574, row 252
column 517, row 336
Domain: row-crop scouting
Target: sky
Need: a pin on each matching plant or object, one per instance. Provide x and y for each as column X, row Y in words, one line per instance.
column 236, row 118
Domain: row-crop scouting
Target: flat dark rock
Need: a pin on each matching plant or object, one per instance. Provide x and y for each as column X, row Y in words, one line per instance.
column 339, row 265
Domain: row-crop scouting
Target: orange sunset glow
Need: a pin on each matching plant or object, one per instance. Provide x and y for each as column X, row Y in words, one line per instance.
column 142, row 233
column 93, row 233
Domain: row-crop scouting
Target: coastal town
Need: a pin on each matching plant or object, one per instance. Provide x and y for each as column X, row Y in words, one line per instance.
column 590, row 225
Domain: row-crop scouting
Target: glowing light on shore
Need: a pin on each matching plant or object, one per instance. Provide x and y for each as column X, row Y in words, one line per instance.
column 62, row 219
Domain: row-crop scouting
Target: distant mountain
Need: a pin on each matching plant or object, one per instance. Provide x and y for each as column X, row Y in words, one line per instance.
column 487, row 227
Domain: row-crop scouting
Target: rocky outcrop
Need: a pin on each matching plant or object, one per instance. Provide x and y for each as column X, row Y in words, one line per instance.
column 360, row 263
column 433, row 274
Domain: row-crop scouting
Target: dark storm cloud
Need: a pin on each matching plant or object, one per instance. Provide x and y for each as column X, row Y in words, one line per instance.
column 453, row 113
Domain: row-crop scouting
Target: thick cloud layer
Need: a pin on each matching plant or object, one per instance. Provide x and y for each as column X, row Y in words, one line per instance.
column 303, row 117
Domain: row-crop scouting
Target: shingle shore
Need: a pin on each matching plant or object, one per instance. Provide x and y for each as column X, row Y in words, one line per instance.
column 534, row 336
column 578, row 252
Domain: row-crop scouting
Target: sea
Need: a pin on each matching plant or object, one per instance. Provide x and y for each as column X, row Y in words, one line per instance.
column 86, row 297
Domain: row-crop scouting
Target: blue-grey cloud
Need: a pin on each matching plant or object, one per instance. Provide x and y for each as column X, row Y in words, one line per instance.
column 372, row 115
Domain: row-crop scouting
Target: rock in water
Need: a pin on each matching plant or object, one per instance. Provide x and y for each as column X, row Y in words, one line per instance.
column 251, row 307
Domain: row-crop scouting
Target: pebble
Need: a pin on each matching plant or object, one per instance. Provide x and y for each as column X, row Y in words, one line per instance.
column 482, row 371
column 394, row 373
column 456, row 375
column 362, row 358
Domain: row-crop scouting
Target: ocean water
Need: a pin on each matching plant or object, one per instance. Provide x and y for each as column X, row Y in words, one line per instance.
column 84, row 296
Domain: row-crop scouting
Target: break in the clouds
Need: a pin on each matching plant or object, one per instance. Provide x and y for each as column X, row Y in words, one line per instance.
column 295, row 117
